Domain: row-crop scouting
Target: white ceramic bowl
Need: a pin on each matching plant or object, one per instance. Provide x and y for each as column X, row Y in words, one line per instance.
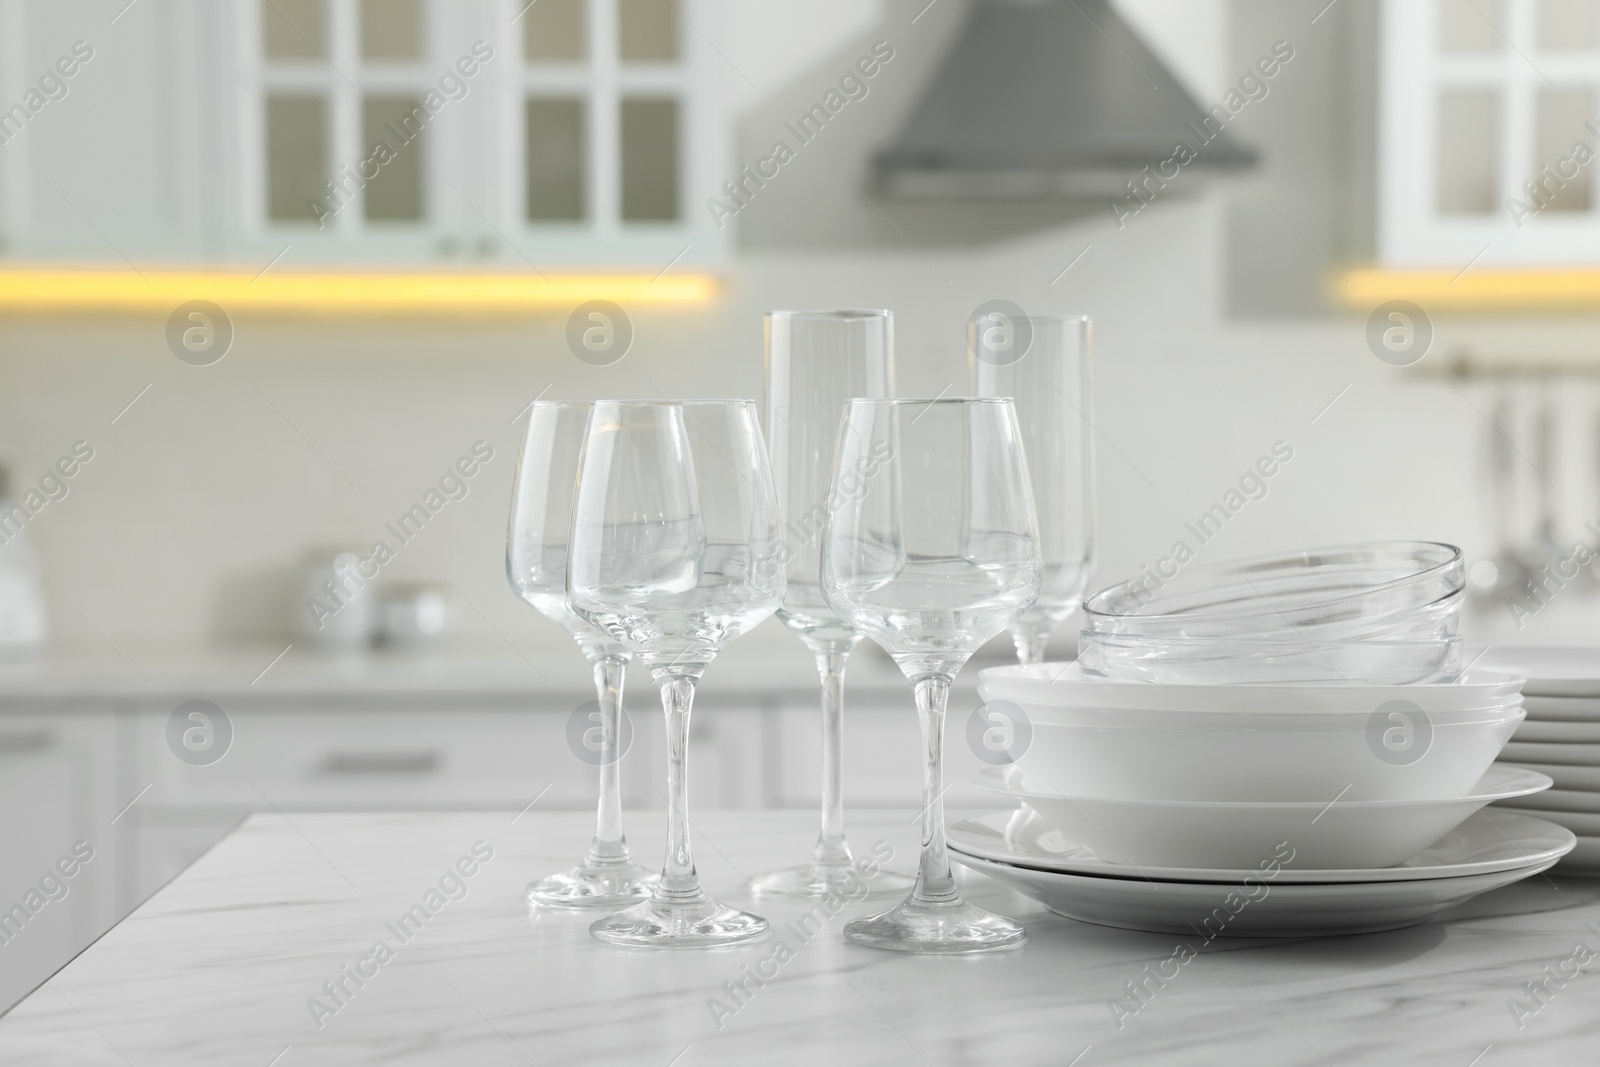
column 1362, row 755
column 1066, row 684
column 1337, row 834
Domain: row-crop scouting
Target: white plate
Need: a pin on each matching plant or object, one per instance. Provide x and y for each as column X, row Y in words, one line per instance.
column 1492, row 840
column 1202, row 911
column 1557, row 800
column 1573, row 755
column 1585, row 823
column 1583, row 859
column 1233, row 834
column 1551, row 670
column 1574, row 779
column 1544, row 730
column 1562, row 709
column 1065, row 684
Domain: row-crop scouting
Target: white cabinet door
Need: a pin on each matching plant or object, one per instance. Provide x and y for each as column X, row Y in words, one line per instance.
column 60, row 876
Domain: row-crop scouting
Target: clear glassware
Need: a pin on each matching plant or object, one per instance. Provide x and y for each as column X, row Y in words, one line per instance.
column 815, row 362
column 536, row 562
column 1050, row 383
column 932, row 552
column 676, row 551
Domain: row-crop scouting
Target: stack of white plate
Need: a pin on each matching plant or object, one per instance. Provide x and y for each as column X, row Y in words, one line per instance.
column 1560, row 738
column 1257, row 810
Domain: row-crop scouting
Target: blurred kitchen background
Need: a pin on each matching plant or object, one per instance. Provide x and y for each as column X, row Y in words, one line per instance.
column 354, row 344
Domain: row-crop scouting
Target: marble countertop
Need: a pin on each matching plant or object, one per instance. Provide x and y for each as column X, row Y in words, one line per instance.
column 222, row 965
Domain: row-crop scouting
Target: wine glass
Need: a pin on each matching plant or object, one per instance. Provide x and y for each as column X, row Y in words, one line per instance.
column 536, row 562
column 931, row 553
column 1043, row 364
column 676, row 551
column 815, row 361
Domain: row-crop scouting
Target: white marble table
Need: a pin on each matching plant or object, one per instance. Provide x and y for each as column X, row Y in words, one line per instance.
column 220, row 967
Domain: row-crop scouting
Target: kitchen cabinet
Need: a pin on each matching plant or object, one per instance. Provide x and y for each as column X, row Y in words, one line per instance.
column 61, row 792
column 1488, row 143
column 570, row 133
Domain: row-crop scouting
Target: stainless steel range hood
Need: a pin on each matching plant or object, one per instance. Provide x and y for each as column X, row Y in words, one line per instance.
column 1050, row 98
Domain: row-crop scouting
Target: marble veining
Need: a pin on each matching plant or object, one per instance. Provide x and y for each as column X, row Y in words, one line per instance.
column 233, row 963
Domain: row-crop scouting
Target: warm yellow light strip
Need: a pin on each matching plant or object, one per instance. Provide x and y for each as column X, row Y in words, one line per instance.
column 1475, row 289
column 48, row 290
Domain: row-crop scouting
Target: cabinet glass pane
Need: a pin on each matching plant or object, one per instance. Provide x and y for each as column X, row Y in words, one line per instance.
column 1566, row 25
column 556, row 160
column 649, row 160
column 1469, row 122
column 391, row 29
column 294, row 29
column 297, row 156
column 395, row 123
column 1563, row 181
column 1470, row 25
column 647, row 30
column 552, row 31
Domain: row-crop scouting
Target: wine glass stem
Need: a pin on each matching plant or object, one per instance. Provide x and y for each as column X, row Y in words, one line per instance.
column 679, row 880
column 935, row 884
column 1031, row 643
column 609, row 845
column 831, row 849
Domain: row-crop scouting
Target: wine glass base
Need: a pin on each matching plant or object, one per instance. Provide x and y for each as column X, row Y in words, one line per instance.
column 591, row 886
column 653, row 924
column 948, row 928
column 815, row 880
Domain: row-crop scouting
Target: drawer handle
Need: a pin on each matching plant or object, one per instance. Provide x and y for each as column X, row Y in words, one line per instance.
column 29, row 741
column 381, row 763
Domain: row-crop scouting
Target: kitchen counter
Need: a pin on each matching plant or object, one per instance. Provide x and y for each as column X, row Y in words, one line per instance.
column 224, row 963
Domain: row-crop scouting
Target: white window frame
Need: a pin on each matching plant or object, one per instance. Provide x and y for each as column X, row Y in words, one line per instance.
column 1412, row 232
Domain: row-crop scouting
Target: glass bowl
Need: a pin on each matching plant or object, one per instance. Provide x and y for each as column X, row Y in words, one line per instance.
column 1207, row 661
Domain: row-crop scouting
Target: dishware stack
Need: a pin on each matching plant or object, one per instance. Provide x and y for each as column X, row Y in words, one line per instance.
column 1196, row 772
column 1560, row 738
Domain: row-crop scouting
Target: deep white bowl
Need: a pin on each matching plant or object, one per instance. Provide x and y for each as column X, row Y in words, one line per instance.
column 1364, row 755
column 1333, row 834
column 1066, row 684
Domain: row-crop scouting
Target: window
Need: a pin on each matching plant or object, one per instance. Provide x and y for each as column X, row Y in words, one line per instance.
column 1490, row 143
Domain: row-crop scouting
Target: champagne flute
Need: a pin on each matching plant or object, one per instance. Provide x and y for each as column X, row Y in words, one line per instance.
column 536, row 562
column 932, row 554
column 815, row 362
column 676, row 551
column 1049, row 380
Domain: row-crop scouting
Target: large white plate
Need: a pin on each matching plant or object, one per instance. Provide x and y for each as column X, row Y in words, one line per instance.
column 1581, row 823
column 1572, row 779
column 1551, row 671
column 1545, row 730
column 1492, row 840
column 1233, row 834
column 1556, row 800
column 1202, row 910
column 1573, row 755
column 1562, row 709
column 1583, row 859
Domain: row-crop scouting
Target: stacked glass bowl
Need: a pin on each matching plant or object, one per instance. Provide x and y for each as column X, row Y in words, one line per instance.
column 1384, row 613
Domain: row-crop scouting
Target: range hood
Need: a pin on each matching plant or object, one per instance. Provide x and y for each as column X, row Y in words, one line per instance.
column 1050, row 98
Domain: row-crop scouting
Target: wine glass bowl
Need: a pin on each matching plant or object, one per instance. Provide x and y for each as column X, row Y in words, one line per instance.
column 675, row 552
column 933, row 555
